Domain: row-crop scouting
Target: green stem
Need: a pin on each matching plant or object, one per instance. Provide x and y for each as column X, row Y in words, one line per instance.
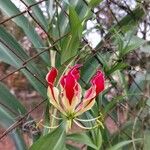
column 53, row 121
column 68, row 125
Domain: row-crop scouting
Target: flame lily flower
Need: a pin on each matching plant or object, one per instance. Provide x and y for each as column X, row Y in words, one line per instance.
column 67, row 97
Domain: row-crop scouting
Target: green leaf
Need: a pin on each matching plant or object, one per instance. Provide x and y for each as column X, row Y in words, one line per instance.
column 49, row 8
column 71, row 43
column 12, row 109
column 82, row 138
column 6, row 121
column 38, row 13
column 131, row 43
column 94, row 3
column 148, row 102
column 9, row 57
column 98, row 138
column 89, row 69
column 62, row 22
column 46, row 118
column 70, row 147
column 136, row 87
column 55, row 140
column 112, row 104
column 146, row 140
column 128, row 42
column 126, row 24
column 11, row 103
column 122, row 144
column 115, row 67
column 10, row 9
column 74, row 21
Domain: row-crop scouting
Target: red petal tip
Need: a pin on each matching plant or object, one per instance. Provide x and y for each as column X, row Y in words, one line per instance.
column 51, row 76
column 98, row 81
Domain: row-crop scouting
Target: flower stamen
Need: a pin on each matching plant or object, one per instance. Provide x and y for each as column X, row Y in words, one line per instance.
column 83, row 127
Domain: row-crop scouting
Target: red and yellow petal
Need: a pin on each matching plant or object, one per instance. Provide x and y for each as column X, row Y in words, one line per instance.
column 74, row 71
column 98, row 81
column 54, row 98
column 69, row 109
column 69, row 83
column 51, row 76
column 87, row 103
column 53, row 95
column 84, row 106
column 89, row 97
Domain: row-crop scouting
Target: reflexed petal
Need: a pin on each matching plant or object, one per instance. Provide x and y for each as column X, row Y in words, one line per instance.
column 98, row 81
column 84, row 106
column 89, row 97
column 78, row 91
column 76, row 99
column 66, row 105
column 75, row 72
column 53, row 95
column 51, row 76
column 54, row 98
column 53, row 92
column 97, row 86
column 90, row 93
column 88, row 101
column 69, row 83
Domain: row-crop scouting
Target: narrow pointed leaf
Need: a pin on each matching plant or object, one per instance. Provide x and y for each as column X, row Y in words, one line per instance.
column 82, row 138
column 10, row 9
column 8, row 56
column 38, row 13
column 122, row 144
column 72, row 42
column 6, row 121
column 94, row 3
column 11, row 103
column 55, row 140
